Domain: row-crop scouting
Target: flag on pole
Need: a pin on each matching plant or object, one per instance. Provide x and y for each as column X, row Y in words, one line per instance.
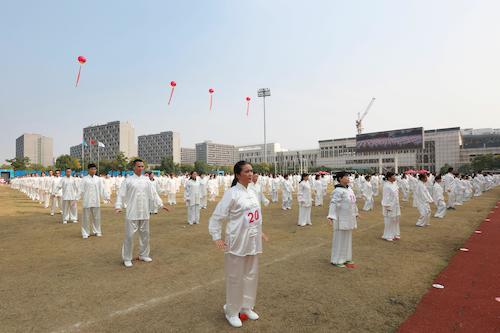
column 100, row 144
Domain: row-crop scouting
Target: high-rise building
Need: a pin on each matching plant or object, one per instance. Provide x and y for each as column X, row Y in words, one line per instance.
column 38, row 148
column 216, row 153
column 155, row 147
column 116, row 136
column 188, row 155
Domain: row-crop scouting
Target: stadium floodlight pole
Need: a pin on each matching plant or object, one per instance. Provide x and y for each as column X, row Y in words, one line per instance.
column 264, row 92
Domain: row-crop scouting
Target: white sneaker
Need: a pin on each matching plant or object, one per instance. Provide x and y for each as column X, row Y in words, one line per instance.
column 128, row 264
column 75, row 221
column 145, row 259
column 85, row 237
column 65, row 222
column 98, row 235
column 252, row 315
column 51, row 214
column 234, row 321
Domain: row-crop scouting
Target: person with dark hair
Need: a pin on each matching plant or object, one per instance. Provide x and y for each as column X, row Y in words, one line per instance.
column 56, row 194
column 70, row 192
column 242, row 245
column 390, row 208
column 342, row 214
column 286, row 193
column 156, row 185
column 318, row 190
column 203, row 181
column 423, row 199
column 367, row 192
column 449, row 186
column 136, row 193
column 438, row 197
column 192, row 197
column 92, row 191
column 275, row 184
column 305, row 201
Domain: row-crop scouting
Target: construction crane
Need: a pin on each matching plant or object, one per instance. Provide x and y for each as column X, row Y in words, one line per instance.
column 359, row 124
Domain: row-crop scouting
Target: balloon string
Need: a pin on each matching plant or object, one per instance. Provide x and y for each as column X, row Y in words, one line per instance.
column 171, row 94
column 78, row 76
column 210, row 102
column 248, row 107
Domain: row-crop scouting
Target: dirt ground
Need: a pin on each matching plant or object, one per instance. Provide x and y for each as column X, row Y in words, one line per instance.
column 51, row 280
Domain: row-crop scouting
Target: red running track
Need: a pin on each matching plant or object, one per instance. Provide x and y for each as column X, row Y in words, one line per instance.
column 472, row 284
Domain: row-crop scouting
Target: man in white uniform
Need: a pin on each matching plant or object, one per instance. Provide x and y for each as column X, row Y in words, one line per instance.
column 70, row 191
column 136, row 192
column 92, row 192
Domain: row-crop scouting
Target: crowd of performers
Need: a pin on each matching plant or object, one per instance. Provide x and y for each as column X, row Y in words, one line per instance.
column 244, row 194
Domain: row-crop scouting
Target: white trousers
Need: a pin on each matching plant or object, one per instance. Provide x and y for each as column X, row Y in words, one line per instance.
column 304, row 215
column 131, row 227
column 70, row 211
column 171, row 198
column 274, row 196
column 203, row 201
column 94, row 214
column 287, row 204
column 425, row 214
column 405, row 195
column 194, row 214
column 55, row 202
column 391, row 227
column 46, row 199
column 241, row 282
column 451, row 200
column 342, row 246
column 318, row 199
column 368, row 204
column 441, row 209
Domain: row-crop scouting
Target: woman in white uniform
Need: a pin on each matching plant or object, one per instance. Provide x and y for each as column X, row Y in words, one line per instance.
column 438, row 196
column 193, row 198
column 391, row 208
column 242, row 244
column 286, row 193
column 305, row 201
column 318, row 190
column 342, row 214
column 367, row 191
column 422, row 200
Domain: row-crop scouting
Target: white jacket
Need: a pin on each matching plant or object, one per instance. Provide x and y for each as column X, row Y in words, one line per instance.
column 304, row 194
column 192, row 192
column 137, row 192
column 390, row 200
column 244, row 229
column 92, row 191
column 343, row 209
column 69, row 187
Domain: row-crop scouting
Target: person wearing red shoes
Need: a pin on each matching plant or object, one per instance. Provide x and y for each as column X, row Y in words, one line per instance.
column 342, row 215
column 242, row 244
column 136, row 193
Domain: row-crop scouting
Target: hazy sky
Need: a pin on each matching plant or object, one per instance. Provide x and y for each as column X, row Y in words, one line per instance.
column 428, row 63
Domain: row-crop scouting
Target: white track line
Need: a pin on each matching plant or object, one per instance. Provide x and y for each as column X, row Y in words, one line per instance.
column 157, row 300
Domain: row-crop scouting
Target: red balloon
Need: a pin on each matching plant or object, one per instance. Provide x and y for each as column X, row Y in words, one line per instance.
column 211, row 90
column 248, row 99
column 173, row 83
column 82, row 60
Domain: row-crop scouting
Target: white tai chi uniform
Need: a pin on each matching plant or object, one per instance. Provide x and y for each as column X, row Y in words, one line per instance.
column 136, row 193
column 449, row 187
column 243, row 242
column 171, row 191
column 437, row 195
column 203, row 192
column 193, row 200
column 70, row 192
column 274, row 189
column 257, row 189
column 318, row 190
column 92, row 192
column 343, row 212
column 367, row 191
column 55, row 196
column 423, row 199
column 305, row 202
column 286, row 194
column 391, row 210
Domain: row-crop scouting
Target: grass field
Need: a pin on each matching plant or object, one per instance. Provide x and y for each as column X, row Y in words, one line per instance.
column 51, row 280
